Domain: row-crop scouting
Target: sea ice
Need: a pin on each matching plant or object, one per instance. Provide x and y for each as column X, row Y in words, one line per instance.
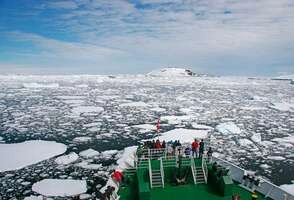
column 34, row 198
column 19, row 155
column 201, row 126
column 284, row 106
column 67, row 159
column 87, row 110
column 134, row 104
column 60, row 187
column 184, row 135
column 245, row 142
column 228, row 128
column 89, row 153
column 177, row 119
column 256, row 137
column 38, row 85
column 288, row 188
column 149, row 127
column 82, row 139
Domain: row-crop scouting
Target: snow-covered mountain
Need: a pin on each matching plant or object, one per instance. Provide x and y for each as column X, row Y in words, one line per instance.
column 173, row 72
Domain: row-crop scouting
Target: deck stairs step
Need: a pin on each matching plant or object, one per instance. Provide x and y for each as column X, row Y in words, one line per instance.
column 200, row 177
column 156, row 178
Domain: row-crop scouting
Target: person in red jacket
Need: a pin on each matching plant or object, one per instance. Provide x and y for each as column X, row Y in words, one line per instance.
column 117, row 176
column 195, row 148
column 157, row 144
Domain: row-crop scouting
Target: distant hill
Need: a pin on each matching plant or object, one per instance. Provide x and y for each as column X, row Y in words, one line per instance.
column 173, row 72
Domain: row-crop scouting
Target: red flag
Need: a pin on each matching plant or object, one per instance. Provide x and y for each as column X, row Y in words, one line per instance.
column 158, row 125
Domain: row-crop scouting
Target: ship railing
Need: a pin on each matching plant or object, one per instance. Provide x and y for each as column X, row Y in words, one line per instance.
column 141, row 162
column 204, row 168
column 157, row 153
column 150, row 173
column 162, row 172
column 265, row 187
column 194, row 172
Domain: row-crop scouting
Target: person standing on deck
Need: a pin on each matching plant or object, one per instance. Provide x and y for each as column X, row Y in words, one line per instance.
column 201, row 148
column 195, row 148
column 209, row 154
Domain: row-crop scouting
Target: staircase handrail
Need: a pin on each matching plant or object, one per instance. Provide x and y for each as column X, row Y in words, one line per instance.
column 150, row 172
column 162, row 172
column 193, row 168
column 204, row 169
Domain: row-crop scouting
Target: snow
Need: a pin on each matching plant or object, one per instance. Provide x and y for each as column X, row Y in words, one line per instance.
column 288, row 188
column 67, row 159
column 87, row 110
column 284, row 106
column 89, row 153
column 60, row 187
column 126, row 160
column 38, row 85
column 18, row 155
column 228, row 128
column 184, row 135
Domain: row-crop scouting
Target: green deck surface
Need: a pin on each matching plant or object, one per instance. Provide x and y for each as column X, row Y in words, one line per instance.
column 188, row 191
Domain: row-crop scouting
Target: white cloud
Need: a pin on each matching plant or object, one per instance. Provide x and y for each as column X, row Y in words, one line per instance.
column 63, row 5
column 174, row 32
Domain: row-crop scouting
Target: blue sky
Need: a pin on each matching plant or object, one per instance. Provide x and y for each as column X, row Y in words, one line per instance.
column 224, row 37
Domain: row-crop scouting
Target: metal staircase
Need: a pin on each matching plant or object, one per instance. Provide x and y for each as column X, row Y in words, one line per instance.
column 156, row 176
column 200, row 177
column 198, row 172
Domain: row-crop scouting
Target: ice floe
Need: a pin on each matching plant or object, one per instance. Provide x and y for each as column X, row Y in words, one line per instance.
column 201, row 126
column 245, row 142
column 276, row 158
column 19, row 155
column 82, row 139
column 67, row 159
column 89, row 153
column 87, row 110
column 134, row 104
column 182, row 134
column 60, row 187
column 284, row 106
column 32, row 197
column 288, row 188
column 177, row 119
column 228, row 128
column 39, row 85
column 147, row 127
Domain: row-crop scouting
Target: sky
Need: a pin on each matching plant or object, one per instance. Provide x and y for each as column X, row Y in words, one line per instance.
column 219, row 37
